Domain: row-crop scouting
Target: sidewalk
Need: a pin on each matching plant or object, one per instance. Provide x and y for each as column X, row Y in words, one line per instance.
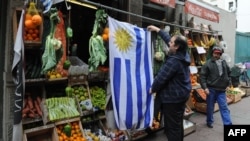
column 240, row 113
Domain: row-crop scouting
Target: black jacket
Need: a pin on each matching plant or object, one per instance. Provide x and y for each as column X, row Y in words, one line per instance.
column 209, row 75
column 172, row 82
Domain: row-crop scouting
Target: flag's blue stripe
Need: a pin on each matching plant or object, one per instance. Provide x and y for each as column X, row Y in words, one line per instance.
column 148, row 80
column 129, row 104
column 138, row 74
column 117, row 85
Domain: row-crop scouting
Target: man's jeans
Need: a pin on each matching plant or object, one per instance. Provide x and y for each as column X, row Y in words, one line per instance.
column 220, row 98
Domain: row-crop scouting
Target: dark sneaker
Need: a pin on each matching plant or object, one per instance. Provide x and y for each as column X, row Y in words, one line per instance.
column 209, row 125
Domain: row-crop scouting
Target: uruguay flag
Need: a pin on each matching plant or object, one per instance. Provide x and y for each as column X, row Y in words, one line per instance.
column 131, row 75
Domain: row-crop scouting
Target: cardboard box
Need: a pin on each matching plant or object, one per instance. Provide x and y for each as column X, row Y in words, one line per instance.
column 229, row 100
column 202, row 107
column 189, row 127
column 246, row 90
column 42, row 133
column 188, row 112
column 235, row 97
column 191, row 101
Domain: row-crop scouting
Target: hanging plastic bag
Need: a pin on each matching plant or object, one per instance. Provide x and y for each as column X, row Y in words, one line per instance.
column 32, row 24
column 32, row 10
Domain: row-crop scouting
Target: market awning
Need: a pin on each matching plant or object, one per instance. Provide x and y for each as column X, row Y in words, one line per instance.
column 202, row 10
column 170, row 3
column 94, row 5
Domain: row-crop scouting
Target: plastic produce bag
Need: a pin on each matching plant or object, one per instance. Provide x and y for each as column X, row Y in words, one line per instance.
column 32, row 24
column 88, row 104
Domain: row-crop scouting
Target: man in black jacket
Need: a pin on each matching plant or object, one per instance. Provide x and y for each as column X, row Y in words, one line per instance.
column 172, row 84
column 214, row 79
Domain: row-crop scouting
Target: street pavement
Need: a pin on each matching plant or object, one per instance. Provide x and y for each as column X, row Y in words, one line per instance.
column 240, row 113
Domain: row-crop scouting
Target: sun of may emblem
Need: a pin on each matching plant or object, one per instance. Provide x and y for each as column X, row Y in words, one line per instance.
column 123, row 39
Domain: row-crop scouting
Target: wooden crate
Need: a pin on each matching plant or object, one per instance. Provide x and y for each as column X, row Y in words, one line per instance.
column 70, row 121
column 81, row 101
column 45, row 111
column 202, row 107
column 77, row 79
column 16, row 19
column 46, row 132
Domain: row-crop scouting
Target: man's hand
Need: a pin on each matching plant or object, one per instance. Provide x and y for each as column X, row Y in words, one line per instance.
column 150, row 91
column 206, row 91
column 153, row 28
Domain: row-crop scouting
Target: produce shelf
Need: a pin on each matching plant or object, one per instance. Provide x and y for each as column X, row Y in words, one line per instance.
column 57, row 80
column 31, row 120
column 32, row 81
column 136, row 135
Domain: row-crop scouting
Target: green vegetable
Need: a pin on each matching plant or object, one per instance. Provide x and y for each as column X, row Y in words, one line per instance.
column 69, row 32
column 67, row 130
column 49, row 57
column 159, row 55
column 97, row 50
column 69, row 91
column 66, row 64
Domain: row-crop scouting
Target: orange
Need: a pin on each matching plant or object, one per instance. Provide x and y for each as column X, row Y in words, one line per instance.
column 106, row 30
column 34, row 35
column 71, row 138
column 77, row 126
column 29, row 38
column 30, row 31
column 36, row 31
column 29, row 24
column 37, row 39
column 75, row 136
column 36, row 20
column 28, row 16
column 105, row 37
column 60, row 138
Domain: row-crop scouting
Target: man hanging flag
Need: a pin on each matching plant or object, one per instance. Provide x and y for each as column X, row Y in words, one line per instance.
column 18, row 78
column 131, row 75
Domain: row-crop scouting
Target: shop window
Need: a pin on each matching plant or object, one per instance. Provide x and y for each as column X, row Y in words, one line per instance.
column 157, row 14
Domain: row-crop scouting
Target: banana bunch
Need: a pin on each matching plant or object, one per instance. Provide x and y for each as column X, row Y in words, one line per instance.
column 203, row 44
column 211, row 42
column 203, row 62
column 195, row 44
column 205, row 39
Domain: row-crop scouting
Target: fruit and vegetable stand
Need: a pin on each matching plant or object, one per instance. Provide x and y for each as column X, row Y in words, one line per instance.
column 68, row 100
column 59, row 104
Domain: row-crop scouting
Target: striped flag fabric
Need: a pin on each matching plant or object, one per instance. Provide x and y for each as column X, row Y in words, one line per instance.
column 131, row 75
column 19, row 80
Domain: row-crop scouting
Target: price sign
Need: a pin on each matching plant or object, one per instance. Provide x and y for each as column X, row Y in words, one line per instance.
column 193, row 69
column 201, row 50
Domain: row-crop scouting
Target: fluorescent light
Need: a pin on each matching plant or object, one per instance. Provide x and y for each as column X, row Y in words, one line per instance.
column 57, row 1
column 82, row 4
